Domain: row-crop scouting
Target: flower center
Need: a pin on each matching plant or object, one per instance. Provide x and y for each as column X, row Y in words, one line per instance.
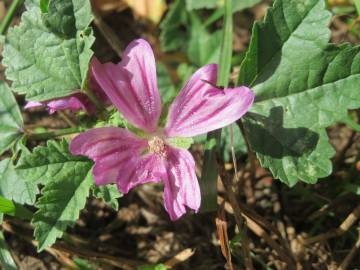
column 157, row 146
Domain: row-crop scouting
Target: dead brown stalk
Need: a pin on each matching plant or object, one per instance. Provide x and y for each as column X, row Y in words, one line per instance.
column 344, row 226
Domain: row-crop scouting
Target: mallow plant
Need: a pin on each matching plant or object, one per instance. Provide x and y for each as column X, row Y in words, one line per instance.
column 292, row 85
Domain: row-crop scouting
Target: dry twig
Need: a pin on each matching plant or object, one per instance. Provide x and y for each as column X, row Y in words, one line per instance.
column 261, row 233
column 346, row 262
column 221, row 228
column 179, row 258
column 60, row 248
column 344, row 226
column 239, row 221
column 238, row 218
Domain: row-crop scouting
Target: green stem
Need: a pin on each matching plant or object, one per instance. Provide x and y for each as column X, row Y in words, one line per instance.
column 251, row 154
column 54, row 134
column 94, row 99
column 214, row 17
column 9, row 15
column 357, row 5
column 209, row 174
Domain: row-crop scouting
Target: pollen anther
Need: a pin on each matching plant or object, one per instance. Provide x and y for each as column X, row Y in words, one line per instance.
column 157, row 146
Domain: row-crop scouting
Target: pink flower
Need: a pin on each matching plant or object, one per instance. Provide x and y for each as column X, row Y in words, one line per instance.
column 129, row 160
column 75, row 102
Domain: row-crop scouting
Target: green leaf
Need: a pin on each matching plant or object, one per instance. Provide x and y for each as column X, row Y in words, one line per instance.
column 109, row 193
column 83, row 264
column 7, row 206
column 197, row 4
column 14, row 187
column 67, row 181
column 184, row 71
column 291, row 154
column 47, row 55
column 243, row 4
column 11, row 122
column 350, row 122
column 11, row 208
column 237, row 5
column 180, row 142
column 303, row 84
column 226, row 47
column 203, row 47
column 152, row 267
column 353, row 188
column 67, row 17
column 60, row 204
column 52, row 163
column 44, row 6
column 225, row 143
column 357, row 5
column 209, row 174
column 114, row 119
column 6, row 260
column 173, row 34
column 166, row 87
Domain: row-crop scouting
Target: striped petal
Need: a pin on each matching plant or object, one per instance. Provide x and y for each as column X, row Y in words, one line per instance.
column 117, row 156
column 202, row 107
column 181, row 187
column 131, row 85
column 33, row 104
column 74, row 103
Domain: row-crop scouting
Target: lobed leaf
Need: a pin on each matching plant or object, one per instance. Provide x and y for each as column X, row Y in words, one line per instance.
column 51, row 163
column 67, row 181
column 303, row 84
column 13, row 187
column 60, row 205
column 11, row 122
column 109, row 193
column 6, row 260
column 47, row 54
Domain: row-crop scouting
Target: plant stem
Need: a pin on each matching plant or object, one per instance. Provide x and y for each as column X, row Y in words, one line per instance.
column 108, row 33
column 53, row 134
column 9, row 15
column 251, row 154
column 209, row 174
column 94, row 99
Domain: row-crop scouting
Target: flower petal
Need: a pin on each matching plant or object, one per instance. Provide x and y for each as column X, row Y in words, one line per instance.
column 181, row 187
column 131, row 85
column 32, row 104
column 118, row 158
column 95, row 87
column 73, row 103
column 141, row 170
column 202, row 107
